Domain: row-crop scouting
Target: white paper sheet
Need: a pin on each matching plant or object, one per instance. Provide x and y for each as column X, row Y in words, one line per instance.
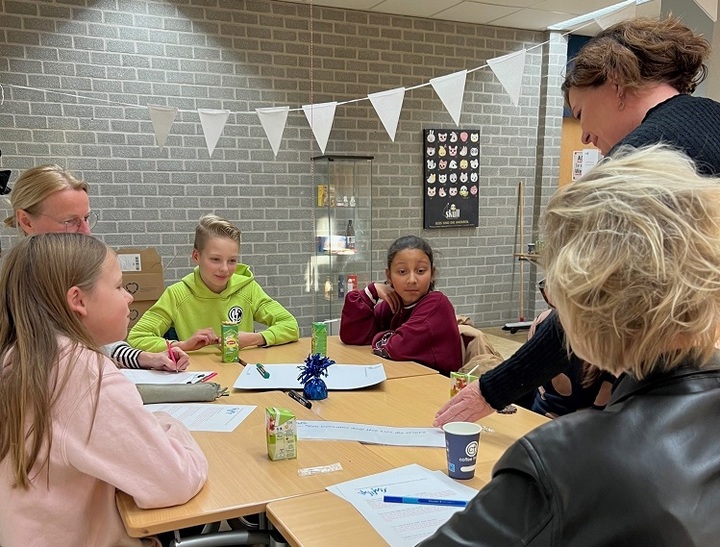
column 371, row 434
column 285, row 377
column 142, row 376
column 206, row 417
column 403, row 525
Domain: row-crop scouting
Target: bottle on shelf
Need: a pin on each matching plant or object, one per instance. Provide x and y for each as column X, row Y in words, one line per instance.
column 341, row 287
column 328, row 289
column 350, row 236
column 351, row 282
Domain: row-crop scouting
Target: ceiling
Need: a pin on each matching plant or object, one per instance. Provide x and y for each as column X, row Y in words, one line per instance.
column 520, row 14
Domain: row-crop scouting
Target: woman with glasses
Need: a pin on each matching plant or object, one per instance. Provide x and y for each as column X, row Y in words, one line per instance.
column 632, row 258
column 49, row 199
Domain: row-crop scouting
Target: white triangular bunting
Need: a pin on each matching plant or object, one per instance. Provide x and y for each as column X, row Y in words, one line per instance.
column 388, row 105
column 450, row 88
column 622, row 14
column 320, row 117
column 213, row 122
column 710, row 7
column 509, row 69
column 162, row 118
column 273, row 121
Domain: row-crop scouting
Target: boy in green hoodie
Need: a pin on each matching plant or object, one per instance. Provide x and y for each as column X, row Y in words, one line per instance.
column 219, row 289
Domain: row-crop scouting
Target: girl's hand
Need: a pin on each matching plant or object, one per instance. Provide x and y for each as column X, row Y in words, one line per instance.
column 468, row 405
column 162, row 361
column 388, row 294
column 202, row 338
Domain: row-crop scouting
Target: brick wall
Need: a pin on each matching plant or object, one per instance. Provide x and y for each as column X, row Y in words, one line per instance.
column 241, row 55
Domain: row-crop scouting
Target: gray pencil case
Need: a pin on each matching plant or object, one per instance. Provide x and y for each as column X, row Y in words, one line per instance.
column 180, row 393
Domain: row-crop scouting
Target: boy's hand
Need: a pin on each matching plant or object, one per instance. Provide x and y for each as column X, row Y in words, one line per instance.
column 388, row 294
column 468, row 405
column 162, row 361
column 202, row 338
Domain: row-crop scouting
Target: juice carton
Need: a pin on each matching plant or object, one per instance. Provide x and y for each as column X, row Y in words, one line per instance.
column 230, row 344
column 458, row 380
column 281, row 433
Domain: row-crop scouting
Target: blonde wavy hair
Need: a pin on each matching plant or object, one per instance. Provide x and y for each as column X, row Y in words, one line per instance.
column 211, row 226
column 632, row 261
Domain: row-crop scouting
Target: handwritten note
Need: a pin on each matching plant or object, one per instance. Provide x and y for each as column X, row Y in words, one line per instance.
column 142, row 376
column 403, row 525
column 285, row 377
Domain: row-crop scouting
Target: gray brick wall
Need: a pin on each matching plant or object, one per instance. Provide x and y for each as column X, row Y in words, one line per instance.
column 241, row 55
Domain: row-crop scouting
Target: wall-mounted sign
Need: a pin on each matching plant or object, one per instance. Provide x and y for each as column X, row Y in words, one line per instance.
column 451, row 177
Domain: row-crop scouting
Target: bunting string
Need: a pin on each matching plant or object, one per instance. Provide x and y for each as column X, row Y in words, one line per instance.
column 388, row 104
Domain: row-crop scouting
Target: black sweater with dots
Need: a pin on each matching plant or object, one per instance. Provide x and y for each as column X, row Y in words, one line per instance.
column 691, row 124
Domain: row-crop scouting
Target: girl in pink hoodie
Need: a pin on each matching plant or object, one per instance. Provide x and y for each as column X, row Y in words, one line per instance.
column 74, row 429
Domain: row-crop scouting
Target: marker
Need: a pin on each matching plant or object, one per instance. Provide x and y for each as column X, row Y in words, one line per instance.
column 300, row 399
column 261, row 369
column 171, row 354
column 424, row 501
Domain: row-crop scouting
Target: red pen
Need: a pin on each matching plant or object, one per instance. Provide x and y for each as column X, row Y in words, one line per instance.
column 211, row 375
column 171, row 354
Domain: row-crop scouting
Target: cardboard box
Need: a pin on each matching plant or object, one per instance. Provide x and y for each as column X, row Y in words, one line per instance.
column 142, row 273
column 137, row 309
column 281, row 433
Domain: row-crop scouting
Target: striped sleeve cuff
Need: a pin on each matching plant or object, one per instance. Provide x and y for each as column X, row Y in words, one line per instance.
column 126, row 356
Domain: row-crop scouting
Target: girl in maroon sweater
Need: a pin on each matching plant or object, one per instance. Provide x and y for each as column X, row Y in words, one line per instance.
column 405, row 319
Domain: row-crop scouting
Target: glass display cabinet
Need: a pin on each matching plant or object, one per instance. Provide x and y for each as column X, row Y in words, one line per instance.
column 343, row 232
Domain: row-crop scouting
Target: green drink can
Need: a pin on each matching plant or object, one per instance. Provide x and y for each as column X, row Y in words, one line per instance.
column 230, row 343
column 319, row 339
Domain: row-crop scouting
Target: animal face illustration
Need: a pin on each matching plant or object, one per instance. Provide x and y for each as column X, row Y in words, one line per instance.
column 453, row 164
column 453, row 137
column 475, row 137
column 474, row 163
column 442, row 164
column 463, row 151
column 431, row 164
column 453, row 178
column 442, row 178
column 430, row 151
column 431, row 178
column 453, row 191
column 474, row 176
column 464, row 136
column 463, row 164
column 474, row 190
column 442, row 193
column 431, row 136
column 442, row 152
column 431, row 192
column 464, row 191
column 463, row 177
column 473, row 151
column 442, row 137
column 452, row 150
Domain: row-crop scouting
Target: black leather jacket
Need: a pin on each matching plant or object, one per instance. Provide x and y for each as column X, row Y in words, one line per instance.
column 643, row 472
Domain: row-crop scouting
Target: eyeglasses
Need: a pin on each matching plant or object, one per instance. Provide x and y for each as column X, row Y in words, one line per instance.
column 541, row 288
column 74, row 224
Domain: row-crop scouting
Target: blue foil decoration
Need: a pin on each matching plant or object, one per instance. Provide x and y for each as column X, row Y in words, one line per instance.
column 314, row 387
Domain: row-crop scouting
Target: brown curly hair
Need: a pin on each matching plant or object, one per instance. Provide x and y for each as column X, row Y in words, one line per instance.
column 639, row 52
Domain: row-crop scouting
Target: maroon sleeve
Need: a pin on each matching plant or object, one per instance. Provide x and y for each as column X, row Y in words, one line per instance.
column 361, row 318
column 429, row 336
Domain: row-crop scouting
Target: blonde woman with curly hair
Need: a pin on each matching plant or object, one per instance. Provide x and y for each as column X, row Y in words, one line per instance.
column 632, row 257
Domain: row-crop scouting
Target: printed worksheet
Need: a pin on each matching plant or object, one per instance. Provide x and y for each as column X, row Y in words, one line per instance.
column 205, row 417
column 284, row 376
column 143, row 376
column 403, row 525
column 370, row 434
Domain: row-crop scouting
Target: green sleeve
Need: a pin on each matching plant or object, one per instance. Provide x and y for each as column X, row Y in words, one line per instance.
column 147, row 333
column 282, row 327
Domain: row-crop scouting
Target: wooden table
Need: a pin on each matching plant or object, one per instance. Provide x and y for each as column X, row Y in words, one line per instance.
column 243, row 479
column 409, row 402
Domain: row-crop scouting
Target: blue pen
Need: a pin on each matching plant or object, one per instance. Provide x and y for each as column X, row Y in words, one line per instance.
column 424, row 501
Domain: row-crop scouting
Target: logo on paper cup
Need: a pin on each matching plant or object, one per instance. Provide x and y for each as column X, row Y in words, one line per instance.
column 472, row 449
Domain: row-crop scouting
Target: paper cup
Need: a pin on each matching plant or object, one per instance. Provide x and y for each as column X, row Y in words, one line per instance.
column 461, row 442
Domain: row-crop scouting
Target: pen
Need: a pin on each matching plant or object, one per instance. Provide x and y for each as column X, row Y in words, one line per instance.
column 261, row 369
column 424, row 501
column 300, row 399
column 171, row 354
column 243, row 363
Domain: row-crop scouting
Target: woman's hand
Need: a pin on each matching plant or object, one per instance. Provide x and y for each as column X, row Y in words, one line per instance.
column 202, row 338
column 388, row 294
column 468, row 405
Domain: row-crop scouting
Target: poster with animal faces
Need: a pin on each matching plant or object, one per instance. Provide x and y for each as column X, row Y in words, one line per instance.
column 452, row 177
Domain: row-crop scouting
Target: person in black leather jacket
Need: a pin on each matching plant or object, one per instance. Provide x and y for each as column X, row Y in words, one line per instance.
column 629, row 85
column 633, row 268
